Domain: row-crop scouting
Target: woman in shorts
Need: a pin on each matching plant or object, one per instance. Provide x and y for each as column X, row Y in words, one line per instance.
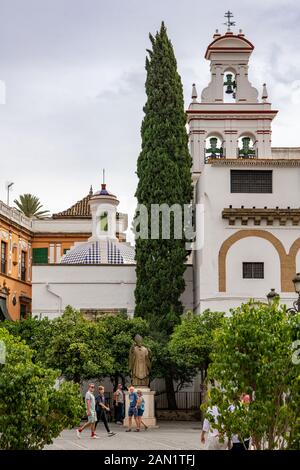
column 140, row 411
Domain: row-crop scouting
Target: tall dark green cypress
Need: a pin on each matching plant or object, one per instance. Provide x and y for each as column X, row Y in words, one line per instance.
column 164, row 172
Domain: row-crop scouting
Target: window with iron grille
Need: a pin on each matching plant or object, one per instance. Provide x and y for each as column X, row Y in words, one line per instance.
column 3, row 257
column 23, row 266
column 253, row 270
column 251, row 181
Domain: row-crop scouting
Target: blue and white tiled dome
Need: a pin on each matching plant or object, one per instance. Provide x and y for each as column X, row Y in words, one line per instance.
column 100, row 252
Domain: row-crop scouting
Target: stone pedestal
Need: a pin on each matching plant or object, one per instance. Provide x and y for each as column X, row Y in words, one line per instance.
column 149, row 413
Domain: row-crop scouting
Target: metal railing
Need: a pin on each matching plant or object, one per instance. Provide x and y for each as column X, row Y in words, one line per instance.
column 184, row 400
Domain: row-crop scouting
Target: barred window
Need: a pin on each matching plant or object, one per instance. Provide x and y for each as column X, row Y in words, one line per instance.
column 251, row 181
column 253, row 270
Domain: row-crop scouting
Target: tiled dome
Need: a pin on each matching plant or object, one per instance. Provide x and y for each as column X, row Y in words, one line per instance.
column 100, row 252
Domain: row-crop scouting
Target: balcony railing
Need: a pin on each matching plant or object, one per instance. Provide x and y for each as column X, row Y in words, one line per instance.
column 252, row 153
column 15, row 215
column 220, row 153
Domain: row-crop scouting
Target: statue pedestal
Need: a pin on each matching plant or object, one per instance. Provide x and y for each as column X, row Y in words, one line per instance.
column 149, row 413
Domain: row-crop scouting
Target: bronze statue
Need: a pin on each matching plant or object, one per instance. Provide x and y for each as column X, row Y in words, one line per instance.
column 140, row 363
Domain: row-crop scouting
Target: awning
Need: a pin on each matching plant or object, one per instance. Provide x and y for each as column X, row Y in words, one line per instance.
column 4, row 315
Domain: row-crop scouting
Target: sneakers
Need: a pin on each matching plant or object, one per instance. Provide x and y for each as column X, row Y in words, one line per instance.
column 128, row 430
column 94, row 436
column 78, row 433
column 111, row 434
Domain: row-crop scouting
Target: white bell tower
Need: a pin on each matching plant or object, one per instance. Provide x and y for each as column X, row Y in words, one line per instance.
column 229, row 121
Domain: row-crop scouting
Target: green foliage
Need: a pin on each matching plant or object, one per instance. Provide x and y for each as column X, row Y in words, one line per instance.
column 32, row 410
column 164, row 176
column 36, row 333
column 78, row 347
column 120, row 332
column 30, row 206
column 192, row 340
column 252, row 354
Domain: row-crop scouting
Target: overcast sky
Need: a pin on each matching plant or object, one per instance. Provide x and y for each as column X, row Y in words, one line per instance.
column 74, row 76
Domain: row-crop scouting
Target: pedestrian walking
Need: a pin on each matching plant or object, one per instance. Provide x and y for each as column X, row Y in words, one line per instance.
column 90, row 411
column 102, row 409
column 119, row 404
column 132, row 410
column 140, row 404
column 236, row 444
column 210, row 435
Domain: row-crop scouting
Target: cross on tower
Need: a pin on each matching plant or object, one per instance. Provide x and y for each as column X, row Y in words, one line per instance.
column 229, row 23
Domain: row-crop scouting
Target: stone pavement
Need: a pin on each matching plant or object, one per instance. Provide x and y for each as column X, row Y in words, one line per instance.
column 171, row 435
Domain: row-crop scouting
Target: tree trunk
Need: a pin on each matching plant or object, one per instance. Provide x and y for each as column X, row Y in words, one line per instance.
column 172, row 405
column 116, row 381
column 77, row 378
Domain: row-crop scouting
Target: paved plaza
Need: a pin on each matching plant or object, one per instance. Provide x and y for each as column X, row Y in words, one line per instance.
column 171, row 435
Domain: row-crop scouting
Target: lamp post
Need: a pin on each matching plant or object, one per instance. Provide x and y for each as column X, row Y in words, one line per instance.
column 296, row 305
column 9, row 186
column 271, row 296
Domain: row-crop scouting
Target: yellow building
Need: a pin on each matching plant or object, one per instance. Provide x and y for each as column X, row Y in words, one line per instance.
column 25, row 241
column 15, row 268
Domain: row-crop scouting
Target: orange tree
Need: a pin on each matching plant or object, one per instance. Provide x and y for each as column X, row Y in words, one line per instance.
column 253, row 353
column 33, row 409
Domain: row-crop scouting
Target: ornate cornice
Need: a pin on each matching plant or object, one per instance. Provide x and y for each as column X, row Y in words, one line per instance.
column 254, row 162
column 258, row 215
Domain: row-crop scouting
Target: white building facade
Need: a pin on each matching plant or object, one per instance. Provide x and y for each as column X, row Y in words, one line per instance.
column 96, row 276
column 247, row 191
column 248, row 212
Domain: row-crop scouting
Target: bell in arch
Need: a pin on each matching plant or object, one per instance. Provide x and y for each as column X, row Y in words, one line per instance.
column 230, row 84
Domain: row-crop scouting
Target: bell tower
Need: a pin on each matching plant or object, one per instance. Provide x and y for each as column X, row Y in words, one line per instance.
column 229, row 121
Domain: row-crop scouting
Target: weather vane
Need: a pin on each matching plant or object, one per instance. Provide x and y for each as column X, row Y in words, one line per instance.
column 229, row 23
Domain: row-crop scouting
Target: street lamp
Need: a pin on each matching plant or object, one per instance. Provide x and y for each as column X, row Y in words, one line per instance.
column 296, row 305
column 8, row 187
column 271, row 296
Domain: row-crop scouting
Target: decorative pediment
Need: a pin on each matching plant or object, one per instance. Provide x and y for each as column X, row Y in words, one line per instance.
column 229, row 42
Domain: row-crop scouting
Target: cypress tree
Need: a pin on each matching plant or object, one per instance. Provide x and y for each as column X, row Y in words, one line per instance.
column 164, row 172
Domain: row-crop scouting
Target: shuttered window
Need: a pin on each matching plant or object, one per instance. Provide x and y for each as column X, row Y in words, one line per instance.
column 40, row 256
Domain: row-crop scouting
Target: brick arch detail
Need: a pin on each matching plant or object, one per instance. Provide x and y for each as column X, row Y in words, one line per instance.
column 287, row 261
column 295, row 247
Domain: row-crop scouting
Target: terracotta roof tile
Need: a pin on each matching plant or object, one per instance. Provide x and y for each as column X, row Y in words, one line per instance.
column 79, row 210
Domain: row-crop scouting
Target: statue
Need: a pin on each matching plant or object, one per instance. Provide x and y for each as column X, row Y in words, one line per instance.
column 140, row 363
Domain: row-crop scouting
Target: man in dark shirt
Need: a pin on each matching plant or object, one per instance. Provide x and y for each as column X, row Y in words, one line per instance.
column 101, row 410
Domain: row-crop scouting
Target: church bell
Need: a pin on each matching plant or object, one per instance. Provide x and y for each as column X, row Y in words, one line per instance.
column 229, row 84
